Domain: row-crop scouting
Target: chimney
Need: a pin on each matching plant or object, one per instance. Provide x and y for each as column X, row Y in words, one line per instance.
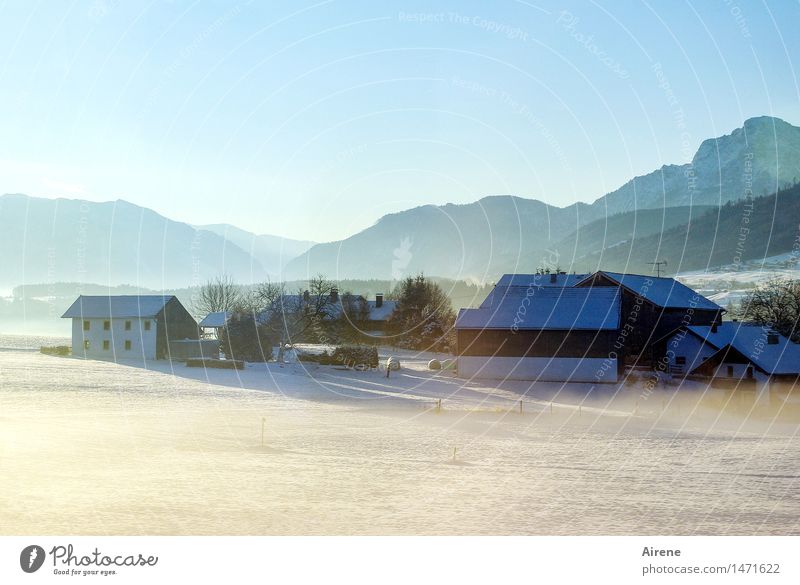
column 772, row 338
column 553, row 277
column 306, row 296
column 378, row 300
column 334, row 295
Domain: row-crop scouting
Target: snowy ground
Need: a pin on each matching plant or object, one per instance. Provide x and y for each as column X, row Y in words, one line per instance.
column 97, row 447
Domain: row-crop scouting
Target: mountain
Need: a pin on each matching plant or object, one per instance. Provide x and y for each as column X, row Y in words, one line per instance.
column 273, row 252
column 51, row 240
column 762, row 157
column 500, row 234
column 747, row 230
column 471, row 241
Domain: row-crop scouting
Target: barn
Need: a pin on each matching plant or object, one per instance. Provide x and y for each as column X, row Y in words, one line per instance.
column 652, row 307
column 129, row 326
column 541, row 332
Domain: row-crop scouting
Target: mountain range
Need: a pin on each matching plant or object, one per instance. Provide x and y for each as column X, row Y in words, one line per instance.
column 117, row 242
column 691, row 215
column 500, row 234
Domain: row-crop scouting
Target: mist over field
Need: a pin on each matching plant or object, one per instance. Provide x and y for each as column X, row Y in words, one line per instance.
column 104, row 448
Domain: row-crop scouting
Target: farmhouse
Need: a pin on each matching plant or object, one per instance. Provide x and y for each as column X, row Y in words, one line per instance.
column 546, row 333
column 575, row 327
column 732, row 355
column 130, row 326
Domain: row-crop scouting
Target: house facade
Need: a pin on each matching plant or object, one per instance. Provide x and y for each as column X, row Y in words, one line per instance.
column 128, row 326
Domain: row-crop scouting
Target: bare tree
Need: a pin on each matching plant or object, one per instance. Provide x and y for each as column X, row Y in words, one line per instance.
column 776, row 303
column 218, row 294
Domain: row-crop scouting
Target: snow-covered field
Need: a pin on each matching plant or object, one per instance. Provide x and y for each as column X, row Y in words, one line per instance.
column 91, row 447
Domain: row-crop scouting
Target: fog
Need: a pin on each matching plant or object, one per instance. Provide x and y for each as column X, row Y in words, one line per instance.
column 90, row 447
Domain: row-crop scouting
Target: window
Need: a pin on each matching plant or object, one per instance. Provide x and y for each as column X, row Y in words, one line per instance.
column 127, row 345
column 86, row 325
column 680, row 360
column 147, row 325
column 106, row 345
column 106, row 325
column 730, row 371
column 86, row 344
column 127, row 325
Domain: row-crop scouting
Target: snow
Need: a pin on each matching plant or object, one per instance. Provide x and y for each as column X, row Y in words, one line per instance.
column 750, row 340
column 117, row 306
column 216, row 319
column 664, row 292
column 92, row 447
column 547, row 308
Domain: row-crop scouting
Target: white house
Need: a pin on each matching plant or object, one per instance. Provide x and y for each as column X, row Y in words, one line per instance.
column 128, row 326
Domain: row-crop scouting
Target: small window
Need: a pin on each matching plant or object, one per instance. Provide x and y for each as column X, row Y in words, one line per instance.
column 127, row 345
column 127, row 325
column 106, row 325
column 106, row 345
column 730, row 371
column 147, row 325
column 86, row 344
column 681, row 360
column 86, row 325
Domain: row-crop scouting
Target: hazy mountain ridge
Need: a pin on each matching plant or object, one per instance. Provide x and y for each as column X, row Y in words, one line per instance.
column 51, row 240
column 505, row 233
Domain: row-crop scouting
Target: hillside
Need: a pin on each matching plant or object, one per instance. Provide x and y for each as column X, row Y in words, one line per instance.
column 748, row 230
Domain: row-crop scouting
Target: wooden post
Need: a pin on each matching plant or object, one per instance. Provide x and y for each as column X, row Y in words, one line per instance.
column 580, row 410
column 438, row 406
column 551, row 408
column 520, row 406
column 263, row 422
column 454, row 453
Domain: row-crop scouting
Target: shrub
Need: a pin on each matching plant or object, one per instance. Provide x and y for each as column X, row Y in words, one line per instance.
column 244, row 338
column 61, row 350
column 356, row 355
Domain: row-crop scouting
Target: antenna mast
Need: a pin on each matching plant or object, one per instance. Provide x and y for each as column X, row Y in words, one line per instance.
column 658, row 264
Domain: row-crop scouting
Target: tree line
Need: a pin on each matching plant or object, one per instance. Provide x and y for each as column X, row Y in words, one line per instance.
column 270, row 314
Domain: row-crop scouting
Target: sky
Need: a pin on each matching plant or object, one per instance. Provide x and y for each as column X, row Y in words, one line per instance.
column 311, row 120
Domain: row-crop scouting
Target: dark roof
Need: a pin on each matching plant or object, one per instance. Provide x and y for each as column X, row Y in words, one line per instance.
column 547, row 308
column 117, row 306
column 663, row 292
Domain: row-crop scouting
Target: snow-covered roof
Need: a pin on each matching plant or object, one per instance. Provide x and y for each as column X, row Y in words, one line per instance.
column 663, row 292
column 333, row 309
column 215, row 319
column 550, row 279
column 547, row 308
column 383, row 312
column 750, row 340
column 117, row 306
column 508, row 282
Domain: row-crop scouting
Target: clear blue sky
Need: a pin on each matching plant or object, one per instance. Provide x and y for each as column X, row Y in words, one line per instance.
column 311, row 120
